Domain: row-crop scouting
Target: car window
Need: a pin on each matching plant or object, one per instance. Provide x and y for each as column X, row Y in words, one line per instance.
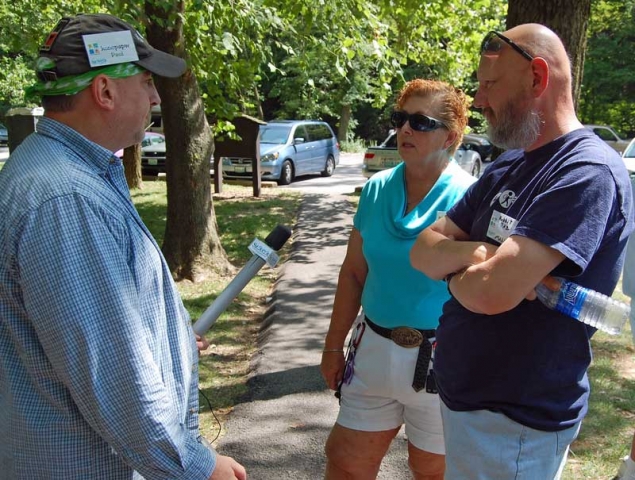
column 313, row 131
column 391, row 141
column 605, row 134
column 300, row 132
column 325, row 131
column 630, row 151
column 319, row 131
column 274, row 134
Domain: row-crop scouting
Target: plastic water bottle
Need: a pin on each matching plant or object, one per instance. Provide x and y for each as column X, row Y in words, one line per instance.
column 585, row 305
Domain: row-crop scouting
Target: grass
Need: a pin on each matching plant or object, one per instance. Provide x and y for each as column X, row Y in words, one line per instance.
column 241, row 217
column 356, row 145
column 606, row 431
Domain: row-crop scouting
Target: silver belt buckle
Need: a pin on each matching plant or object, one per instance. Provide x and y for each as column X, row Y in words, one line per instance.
column 406, row 337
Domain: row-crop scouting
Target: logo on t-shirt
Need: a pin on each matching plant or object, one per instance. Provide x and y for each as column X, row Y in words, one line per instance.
column 506, row 199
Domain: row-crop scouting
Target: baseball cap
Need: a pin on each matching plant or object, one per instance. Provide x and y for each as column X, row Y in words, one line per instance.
column 78, row 44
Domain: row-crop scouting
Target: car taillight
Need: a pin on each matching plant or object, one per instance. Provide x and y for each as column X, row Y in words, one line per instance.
column 369, row 156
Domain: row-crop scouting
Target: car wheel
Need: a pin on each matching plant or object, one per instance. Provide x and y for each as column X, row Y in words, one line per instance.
column 476, row 168
column 329, row 167
column 286, row 174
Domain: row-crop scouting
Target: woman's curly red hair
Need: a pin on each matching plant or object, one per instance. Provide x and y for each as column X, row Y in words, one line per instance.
column 450, row 104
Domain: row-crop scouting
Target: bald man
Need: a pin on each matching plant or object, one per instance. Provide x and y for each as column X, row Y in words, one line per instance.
column 511, row 373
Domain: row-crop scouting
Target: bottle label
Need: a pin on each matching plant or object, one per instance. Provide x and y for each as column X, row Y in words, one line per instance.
column 571, row 299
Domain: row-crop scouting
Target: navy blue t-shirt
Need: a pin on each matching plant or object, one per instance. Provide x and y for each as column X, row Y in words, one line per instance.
column 530, row 363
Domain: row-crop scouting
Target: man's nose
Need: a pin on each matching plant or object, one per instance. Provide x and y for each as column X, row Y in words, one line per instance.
column 480, row 99
column 155, row 99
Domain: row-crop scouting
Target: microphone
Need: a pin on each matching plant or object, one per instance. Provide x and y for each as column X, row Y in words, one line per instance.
column 264, row 252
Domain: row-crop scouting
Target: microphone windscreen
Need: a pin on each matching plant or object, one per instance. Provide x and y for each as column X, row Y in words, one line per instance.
column 278, row 236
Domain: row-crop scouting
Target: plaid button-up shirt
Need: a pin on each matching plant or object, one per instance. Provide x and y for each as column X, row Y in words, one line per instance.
column 98, row 362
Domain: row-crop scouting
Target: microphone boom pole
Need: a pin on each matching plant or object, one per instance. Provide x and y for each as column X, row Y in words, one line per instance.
column 264, row 252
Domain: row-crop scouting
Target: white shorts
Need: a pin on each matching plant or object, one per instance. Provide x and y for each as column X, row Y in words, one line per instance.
column 380, row 396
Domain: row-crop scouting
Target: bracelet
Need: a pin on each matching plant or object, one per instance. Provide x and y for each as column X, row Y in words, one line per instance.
column 332, row 350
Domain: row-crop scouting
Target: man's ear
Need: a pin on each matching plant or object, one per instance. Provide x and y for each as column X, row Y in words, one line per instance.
column 103, row 91
column 540, row 72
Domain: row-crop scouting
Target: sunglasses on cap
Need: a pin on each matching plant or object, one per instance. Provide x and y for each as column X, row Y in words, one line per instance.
column 417, row 121
column 492, row 44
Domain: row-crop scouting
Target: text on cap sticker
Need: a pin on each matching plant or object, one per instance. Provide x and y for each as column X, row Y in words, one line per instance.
column 110, row 48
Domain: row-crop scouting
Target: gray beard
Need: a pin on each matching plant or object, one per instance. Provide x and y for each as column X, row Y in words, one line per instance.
column 515, row 129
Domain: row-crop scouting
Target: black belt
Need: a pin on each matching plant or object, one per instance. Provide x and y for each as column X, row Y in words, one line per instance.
column 408, row 337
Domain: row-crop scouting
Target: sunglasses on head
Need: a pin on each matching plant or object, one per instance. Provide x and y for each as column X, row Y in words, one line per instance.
column 417, row 121
column 493, row 42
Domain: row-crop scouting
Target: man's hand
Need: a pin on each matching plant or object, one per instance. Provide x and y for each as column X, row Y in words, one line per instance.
column 550, row 282
column 228, row 469
column 201, row 343
column 444, row 248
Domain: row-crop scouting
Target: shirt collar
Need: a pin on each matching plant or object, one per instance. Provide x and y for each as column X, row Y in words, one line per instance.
column 88, row 151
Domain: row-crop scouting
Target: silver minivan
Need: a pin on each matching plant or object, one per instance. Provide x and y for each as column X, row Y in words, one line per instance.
column 289, row 149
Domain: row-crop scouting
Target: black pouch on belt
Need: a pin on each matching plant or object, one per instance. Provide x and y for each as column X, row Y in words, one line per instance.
column 408, row 337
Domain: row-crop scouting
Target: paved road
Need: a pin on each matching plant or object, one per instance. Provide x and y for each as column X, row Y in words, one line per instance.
column 279, row 431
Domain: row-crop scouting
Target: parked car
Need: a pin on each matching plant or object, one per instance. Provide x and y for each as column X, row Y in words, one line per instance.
column 481, row 144
column 607, row 134
column 153, row 154
column 386, row 155
column 629, row 157
column 4, row 135
column 149, row 138
column 289, row 149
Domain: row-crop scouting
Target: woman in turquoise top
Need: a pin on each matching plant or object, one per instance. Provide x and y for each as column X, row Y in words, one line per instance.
column 387, row 379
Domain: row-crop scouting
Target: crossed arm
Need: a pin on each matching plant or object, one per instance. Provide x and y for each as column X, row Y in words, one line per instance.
column 488, row 279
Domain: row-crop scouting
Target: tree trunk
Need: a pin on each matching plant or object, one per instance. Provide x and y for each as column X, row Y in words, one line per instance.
column 191, row 246
column 345, row 118
column 261, row 113
column 132, row 166
column 568, row 18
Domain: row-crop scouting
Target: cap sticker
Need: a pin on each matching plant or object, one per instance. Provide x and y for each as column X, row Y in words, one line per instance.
column 110, row 48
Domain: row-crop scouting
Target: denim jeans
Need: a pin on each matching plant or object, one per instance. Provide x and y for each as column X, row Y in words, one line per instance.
column 484, row 445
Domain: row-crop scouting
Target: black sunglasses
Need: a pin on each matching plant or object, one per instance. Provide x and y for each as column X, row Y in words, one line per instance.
column 417, row 121
column 492, row 44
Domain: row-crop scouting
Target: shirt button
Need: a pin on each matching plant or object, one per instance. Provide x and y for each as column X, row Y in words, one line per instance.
column 192, row 411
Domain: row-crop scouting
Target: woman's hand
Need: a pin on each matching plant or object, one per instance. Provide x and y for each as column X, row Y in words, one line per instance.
column 332, row 368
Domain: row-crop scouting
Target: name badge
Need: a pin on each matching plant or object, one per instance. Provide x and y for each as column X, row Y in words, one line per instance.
column 500, row 226
column 110, row 48
column 264, row 251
